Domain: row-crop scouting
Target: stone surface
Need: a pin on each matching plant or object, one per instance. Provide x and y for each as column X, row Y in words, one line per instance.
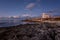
column 43, row 31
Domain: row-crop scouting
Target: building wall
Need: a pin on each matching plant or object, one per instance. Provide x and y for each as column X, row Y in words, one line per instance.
column 45, row 15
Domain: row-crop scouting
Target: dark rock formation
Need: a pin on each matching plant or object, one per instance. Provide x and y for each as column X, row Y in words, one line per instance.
column 43, row 31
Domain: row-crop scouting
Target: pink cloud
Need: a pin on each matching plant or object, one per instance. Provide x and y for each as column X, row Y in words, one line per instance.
column 30, row 6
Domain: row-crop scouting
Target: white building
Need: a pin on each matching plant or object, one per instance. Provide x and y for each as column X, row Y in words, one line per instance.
column 44, row 15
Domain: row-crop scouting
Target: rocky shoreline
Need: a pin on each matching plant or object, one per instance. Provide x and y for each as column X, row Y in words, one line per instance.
column 42, row 31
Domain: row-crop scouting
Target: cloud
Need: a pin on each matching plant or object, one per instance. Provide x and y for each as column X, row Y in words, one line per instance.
column 30, row 6
column 25, row 15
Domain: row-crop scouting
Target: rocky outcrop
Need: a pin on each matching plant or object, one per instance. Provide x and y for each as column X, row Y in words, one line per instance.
column 42, row 31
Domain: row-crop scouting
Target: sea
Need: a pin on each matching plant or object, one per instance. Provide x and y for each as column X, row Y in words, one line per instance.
column 6, row 22
column 12, row 22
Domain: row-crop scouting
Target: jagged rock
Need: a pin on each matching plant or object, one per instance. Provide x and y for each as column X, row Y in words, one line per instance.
column 29, row 32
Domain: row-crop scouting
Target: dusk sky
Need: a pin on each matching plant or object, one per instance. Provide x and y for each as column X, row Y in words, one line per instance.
column 29, row 7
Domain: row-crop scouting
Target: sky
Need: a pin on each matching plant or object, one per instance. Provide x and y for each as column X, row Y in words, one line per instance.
column 29, row 7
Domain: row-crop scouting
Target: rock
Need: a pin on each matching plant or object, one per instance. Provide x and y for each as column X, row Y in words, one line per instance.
column 29, row 32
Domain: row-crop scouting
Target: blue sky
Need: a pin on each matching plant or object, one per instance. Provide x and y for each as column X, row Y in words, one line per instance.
column 29, row 7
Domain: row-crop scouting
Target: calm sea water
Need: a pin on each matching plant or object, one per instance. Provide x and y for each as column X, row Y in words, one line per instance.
column 7, row 23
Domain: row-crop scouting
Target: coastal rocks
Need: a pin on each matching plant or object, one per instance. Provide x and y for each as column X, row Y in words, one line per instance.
column 30, row 32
